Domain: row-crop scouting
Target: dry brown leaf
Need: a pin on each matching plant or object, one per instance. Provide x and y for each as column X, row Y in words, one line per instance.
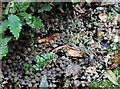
column 116, row 59
column 48, row 39
column 102, row 17
column 58, row 48
column 74, row 52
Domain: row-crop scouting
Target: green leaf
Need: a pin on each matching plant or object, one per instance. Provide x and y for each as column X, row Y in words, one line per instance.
column 36, row 23
column 111, row 76
column 4, row 47
column 42, row 59
column 44, row 83
column 25, row 6
column 45, row 8
column 15, row 25
column 32, row 21
column 75, row 1
column 7, row 8
column 12, row 8
column 32, row 9
column 4, row 26
column 26, row 16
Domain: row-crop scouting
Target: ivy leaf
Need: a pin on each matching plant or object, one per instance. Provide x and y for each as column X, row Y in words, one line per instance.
column 15, row 25
column 45, row 8
column 44, row 83
column 3, row 47
column 111, row 76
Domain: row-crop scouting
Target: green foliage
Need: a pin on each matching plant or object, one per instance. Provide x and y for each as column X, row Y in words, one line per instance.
column 45, row 8
column 41, row 61
column 15, row 16
column 111, row 15
column 3, row 47
column 112, row 77
column 15, row 25
column 115, row 48
column 105, row 83
column 27, row 66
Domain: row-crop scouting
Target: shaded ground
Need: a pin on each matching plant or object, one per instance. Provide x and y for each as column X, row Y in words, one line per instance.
column 76, row 30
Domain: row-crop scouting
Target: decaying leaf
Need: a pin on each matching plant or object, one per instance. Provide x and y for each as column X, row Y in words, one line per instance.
column 116, row 59
column 74, row 52
column 91, row 69
column 102, row 17
column 48, row 39
column 111, row 76
column 72, row 69
column 44, row 83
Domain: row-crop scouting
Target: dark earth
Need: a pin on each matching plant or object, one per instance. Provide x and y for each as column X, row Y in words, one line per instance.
column 74, row 29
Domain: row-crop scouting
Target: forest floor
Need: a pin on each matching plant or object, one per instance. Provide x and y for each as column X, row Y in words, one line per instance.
column 76, row 39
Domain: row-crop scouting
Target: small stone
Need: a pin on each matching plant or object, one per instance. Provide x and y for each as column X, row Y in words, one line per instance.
column 57, row 69
column 30, row 61
column 54, row 85
column 17, row 57
column 38, row 74
column 37, row 78
column 55, row 45
column 29, row 49
column 23, row 82
column 83, row 77
column 30, row 85
column 26, row 52
column 33, row 81
column 9, row 61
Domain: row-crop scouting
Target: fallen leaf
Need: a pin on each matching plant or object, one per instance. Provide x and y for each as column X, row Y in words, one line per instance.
column 91, row 69
column 74, row 52
column 100, row 35
column 102, row 17
column 116, row 59
column 48, row 39
column 72, row 69
column 58, row 48
column 111, row 76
